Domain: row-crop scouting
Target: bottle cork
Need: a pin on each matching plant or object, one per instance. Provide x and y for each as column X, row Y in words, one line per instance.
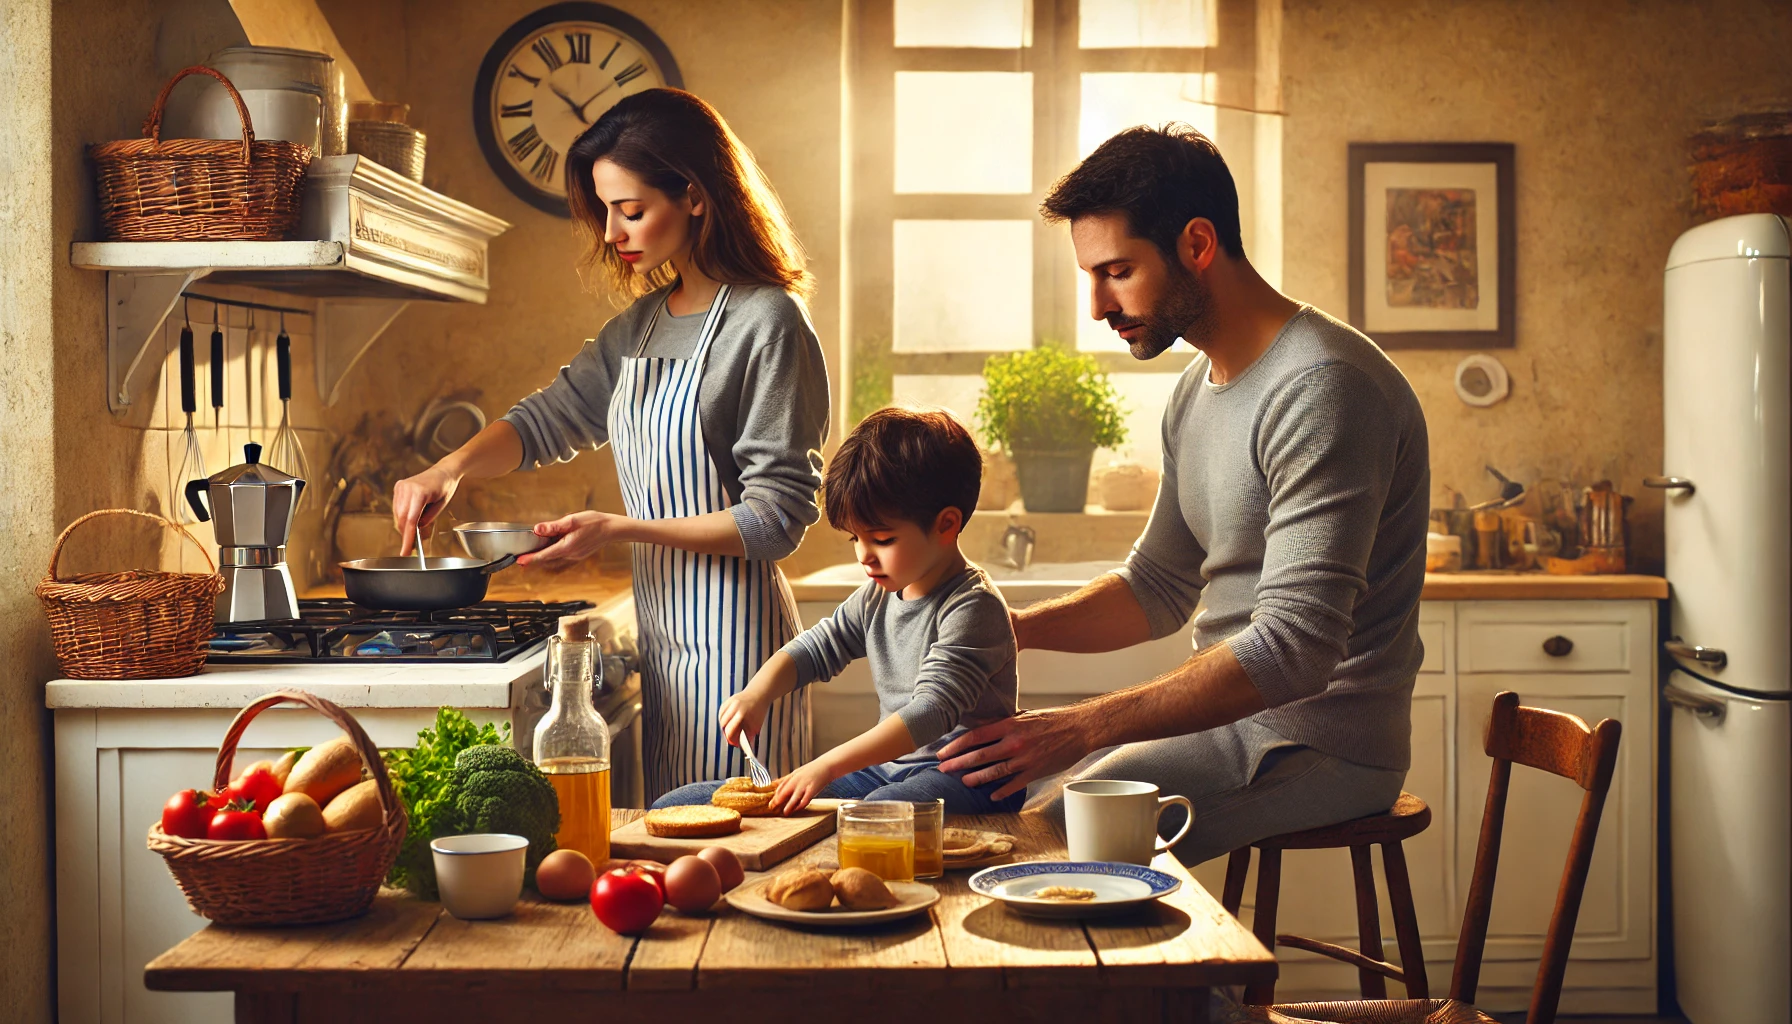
column 575, row 629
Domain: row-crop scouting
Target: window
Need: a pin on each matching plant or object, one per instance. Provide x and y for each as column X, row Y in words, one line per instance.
column 961, row 114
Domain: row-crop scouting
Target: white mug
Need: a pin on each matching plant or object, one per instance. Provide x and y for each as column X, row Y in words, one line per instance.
column 1117, row 821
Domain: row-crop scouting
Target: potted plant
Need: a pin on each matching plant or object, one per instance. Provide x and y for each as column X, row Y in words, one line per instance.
column 1049, row 410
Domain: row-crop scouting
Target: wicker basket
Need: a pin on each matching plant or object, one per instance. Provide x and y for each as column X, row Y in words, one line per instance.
column 288, row 881
column 130, row 625
column 198, row 189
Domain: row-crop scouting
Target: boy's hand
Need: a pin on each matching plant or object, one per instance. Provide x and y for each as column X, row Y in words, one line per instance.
column 743, row 711
column 799, row 787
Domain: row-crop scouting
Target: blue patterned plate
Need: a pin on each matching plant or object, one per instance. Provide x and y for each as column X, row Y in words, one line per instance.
column 1116, row 886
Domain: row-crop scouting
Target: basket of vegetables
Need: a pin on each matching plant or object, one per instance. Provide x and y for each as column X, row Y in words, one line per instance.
column 303, row 840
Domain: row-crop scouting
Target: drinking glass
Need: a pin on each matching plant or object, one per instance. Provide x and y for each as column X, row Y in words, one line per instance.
column 930, row 824
column 879, row 836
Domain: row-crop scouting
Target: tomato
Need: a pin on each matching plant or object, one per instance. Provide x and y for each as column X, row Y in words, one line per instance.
column 236, row 821
column 258, row 785
column 187, row 813
column 626, row 901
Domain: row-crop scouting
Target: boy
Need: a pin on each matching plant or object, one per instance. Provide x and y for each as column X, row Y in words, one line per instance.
column 936, row 629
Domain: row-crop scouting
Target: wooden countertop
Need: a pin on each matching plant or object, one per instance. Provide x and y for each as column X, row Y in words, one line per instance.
column 1536, row 586
column 967, row 959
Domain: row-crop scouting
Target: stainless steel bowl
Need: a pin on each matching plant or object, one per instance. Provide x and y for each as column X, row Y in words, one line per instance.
column 488, row 541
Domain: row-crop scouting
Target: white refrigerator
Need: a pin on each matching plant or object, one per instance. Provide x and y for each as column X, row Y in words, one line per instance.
column 1727, row 414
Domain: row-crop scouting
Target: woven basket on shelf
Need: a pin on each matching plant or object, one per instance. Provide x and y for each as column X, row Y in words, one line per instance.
column 181, row 190
column 288, row 881
column 130, row 625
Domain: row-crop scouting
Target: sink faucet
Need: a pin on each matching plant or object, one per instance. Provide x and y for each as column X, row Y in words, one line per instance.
column 1017, row 545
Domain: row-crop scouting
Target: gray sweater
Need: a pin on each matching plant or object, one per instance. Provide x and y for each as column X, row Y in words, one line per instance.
column 763, row 404
column 944, row 662
column 1293, row 507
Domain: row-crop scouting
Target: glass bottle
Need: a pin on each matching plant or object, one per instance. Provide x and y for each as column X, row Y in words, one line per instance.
column 572, row 743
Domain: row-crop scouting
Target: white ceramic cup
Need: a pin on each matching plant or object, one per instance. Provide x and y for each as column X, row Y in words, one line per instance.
column 1117, row 821
column 479, row 876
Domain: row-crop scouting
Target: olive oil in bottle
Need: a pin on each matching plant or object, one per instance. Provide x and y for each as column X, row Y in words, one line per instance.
column 572, row 743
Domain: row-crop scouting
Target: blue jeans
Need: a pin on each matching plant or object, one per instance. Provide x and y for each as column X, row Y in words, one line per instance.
column 918, row 781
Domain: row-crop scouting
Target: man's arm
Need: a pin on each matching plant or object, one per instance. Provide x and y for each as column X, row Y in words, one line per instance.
column 1102, row 615
column 1209, row 690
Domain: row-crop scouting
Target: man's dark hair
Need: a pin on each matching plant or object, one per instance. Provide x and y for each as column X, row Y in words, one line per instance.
column 1161, row 178
column 903, row 464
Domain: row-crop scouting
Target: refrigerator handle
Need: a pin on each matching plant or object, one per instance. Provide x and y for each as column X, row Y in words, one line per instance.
column 1669, row 483
column 1704, row 707
column 1710, row 656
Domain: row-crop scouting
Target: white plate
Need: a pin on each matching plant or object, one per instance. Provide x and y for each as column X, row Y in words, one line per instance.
column 914, row 898
column 1117, row 887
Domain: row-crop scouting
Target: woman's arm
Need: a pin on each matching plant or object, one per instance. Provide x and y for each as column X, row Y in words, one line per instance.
column 780, row 385
column 417, row 500
column 583, row 534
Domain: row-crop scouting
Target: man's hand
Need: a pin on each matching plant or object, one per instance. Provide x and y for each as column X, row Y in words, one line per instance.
column 580, row 536
column 1029, row 746
column 799, row 787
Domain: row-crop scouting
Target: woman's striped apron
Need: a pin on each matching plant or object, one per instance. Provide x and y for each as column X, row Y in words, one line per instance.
column 707, row 622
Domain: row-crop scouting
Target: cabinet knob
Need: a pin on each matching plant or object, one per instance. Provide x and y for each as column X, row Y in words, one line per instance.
column 1558, row 647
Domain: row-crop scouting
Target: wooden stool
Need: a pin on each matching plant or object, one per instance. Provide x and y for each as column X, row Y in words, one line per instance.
column 1407, row 818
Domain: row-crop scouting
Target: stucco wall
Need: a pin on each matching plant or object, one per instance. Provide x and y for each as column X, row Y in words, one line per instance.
column 773, row 70
column 1599, row 99
column 27, row 507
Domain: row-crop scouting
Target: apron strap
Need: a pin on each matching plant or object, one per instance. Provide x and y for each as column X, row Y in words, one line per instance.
column 703, row 338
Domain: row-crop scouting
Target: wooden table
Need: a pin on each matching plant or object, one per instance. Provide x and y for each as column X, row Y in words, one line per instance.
column 968, row 959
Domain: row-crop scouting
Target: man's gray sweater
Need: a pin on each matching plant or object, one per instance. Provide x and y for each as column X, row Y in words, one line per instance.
column 763, row 404
column 1293, row 507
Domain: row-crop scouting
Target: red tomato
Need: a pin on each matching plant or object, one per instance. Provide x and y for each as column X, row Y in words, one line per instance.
column 187, row 813
column 626, row 901
column 236, row 821
column 258, row 786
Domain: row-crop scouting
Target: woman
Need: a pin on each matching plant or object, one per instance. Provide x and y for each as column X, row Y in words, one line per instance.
column 712, row 393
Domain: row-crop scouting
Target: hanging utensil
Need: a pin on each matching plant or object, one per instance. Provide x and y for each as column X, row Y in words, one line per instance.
column 192, row 460
column 217, row 370
column 287, row 452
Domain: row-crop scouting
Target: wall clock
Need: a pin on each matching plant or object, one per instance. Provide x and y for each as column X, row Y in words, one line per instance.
column 548, row 78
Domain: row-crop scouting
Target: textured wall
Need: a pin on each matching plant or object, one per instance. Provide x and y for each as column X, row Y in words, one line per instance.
column 773, row 70
column 27, row 505
column 1598, row 98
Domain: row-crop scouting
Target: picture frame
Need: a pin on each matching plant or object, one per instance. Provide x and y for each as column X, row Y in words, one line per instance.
column 1433, row 254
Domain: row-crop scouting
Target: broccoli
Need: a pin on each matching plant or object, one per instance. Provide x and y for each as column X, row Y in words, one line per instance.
column 495, row 789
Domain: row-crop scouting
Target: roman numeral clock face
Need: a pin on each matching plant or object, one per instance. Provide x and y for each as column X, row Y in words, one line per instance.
column 548, row 79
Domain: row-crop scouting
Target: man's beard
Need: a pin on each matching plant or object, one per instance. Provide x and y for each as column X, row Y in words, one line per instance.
column 1184, row 313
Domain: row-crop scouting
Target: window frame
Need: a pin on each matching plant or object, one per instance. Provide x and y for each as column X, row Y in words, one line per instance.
column 1057, row 64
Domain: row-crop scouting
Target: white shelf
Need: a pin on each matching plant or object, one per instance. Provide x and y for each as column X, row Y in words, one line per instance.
column 372, row 242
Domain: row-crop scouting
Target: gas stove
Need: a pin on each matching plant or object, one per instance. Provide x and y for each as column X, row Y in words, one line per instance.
column 333, row 629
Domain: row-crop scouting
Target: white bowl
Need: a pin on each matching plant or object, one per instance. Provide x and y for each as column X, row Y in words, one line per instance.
column 479, row 876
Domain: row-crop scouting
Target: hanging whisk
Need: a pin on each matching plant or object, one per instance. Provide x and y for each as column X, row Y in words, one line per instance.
column 288, row 452
column 192, row 460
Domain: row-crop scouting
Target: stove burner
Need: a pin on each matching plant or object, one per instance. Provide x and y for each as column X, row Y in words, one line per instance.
column 332, row 629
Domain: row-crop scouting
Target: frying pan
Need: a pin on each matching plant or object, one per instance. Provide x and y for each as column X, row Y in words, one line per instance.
column 397, row 584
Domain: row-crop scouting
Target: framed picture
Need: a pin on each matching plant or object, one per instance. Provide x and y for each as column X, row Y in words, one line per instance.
column 1432, row 253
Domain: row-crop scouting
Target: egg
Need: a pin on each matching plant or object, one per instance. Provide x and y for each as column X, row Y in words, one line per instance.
column 727, row 865
column 565, row 875
column 692, row 884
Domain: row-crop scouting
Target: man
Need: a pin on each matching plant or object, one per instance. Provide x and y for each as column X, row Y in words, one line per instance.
column 1293, row 507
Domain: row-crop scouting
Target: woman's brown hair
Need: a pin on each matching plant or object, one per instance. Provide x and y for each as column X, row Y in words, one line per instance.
column 673, row 140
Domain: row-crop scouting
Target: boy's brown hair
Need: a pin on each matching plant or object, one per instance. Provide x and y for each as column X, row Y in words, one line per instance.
column 905, row 464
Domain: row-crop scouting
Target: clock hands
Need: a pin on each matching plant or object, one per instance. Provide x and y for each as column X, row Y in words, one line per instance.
column 580, row 109
column 577, row 109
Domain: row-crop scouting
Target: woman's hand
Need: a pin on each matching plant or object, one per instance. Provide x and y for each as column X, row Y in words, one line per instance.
column 581, row 535
column 417, row 500
column 799, row 787
column 743, row 712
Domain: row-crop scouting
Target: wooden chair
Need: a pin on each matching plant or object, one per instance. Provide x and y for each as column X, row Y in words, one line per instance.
column 1407, row 818
column 1547, row 740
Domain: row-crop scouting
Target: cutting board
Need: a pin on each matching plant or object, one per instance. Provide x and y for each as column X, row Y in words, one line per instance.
column 760, row 843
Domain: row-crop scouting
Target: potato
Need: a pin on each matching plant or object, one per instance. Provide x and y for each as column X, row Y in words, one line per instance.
column 282, row 768
column 293, row 816
column 326, row 770
column 357, row 807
